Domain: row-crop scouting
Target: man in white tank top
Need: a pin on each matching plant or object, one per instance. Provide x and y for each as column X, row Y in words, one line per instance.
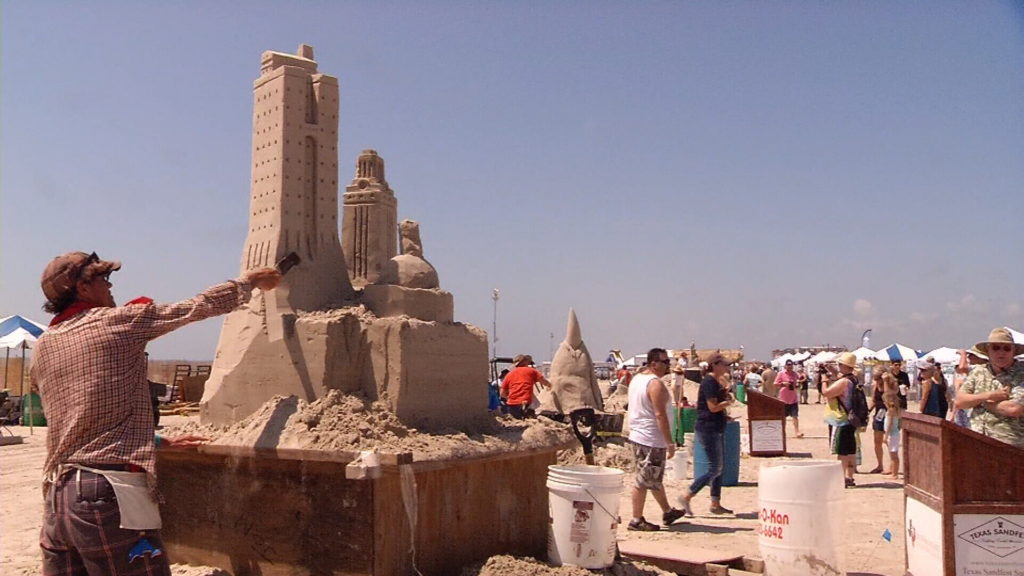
column 651, row 435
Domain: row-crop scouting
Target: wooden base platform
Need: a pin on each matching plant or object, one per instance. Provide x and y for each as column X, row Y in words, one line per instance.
column 688, row 560
column 294, row 513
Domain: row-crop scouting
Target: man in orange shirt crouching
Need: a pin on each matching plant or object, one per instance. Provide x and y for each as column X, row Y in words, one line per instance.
column 517, row 387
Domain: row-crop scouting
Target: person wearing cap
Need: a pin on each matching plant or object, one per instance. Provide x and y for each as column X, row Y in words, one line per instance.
column 933, row 389
column 650, row 433
column 839, row 394
column 517, row 387
column 788, row 383
column 100, row 515
column 902, row 382
column 713, row 401
column 995, row 390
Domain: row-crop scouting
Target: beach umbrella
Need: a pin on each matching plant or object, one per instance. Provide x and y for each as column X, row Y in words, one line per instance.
column 863, row 353
column 896, row 353
column 944, row 355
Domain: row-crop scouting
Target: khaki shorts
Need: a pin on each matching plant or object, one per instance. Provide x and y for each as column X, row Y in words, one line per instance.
column 650, row 466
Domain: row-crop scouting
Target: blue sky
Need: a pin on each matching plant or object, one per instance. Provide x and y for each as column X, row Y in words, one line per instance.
column 764, row 174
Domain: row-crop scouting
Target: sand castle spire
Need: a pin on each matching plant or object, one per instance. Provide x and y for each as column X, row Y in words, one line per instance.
column 370, row 221
column 572, row 331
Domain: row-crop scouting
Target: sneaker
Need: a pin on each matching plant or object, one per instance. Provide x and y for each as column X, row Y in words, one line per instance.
column 719, row 509
column 850, row 483
column 684, row 505
column 642, row 525
column 671, row 516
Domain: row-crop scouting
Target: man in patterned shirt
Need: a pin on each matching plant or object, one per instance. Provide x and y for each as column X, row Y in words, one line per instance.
column 90, row 365
column 996, row 390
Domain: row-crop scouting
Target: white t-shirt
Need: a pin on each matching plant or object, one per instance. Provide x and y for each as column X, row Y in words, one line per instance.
column 643, row 426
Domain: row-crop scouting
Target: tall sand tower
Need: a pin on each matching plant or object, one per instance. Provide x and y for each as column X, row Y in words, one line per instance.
column 293, row 207
column 294, row 201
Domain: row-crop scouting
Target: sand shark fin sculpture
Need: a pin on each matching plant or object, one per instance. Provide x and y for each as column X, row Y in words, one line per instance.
column 573, row 382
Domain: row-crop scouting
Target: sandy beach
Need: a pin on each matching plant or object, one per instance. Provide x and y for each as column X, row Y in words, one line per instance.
column 871, row 508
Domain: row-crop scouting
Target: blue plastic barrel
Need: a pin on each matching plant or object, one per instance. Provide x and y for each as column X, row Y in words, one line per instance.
column 731, row 469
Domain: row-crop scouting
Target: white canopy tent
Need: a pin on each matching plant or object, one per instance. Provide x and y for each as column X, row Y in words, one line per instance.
column 944, row 355
column 18, row 332
column 822, row 357
column 896, row 353
column 795, row 357
column 863, row 353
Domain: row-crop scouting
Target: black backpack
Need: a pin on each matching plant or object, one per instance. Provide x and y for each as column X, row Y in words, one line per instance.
column 857, row 413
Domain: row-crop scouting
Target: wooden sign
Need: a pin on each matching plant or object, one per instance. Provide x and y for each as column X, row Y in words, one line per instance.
column 766, row 425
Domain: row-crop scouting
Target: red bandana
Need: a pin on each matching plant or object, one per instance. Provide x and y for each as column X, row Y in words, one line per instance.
column 79, row 307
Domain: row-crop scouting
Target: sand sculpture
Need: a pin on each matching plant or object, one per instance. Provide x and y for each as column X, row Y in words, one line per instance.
column 353, row 316
column 573, row 382
column 574, row 389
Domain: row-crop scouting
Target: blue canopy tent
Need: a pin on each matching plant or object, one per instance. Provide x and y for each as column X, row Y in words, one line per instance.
column 896, row 353
column 18, row 332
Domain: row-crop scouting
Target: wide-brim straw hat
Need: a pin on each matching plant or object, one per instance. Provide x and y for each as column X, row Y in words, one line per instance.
column 973, row 351
column 848, row 359
column 1000, row 336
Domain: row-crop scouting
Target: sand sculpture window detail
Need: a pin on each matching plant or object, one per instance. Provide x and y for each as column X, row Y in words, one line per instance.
column 309, row 189
column 312, row 113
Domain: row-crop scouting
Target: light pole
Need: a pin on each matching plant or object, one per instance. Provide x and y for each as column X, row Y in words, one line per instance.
column 495, row 294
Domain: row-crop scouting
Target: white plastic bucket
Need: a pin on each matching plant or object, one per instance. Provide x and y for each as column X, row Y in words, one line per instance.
column 800, row 517
column 583, row 510
column 678, row 465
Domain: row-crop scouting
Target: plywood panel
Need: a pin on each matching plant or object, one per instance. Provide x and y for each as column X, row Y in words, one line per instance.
column 265, row 516
column 272, row 515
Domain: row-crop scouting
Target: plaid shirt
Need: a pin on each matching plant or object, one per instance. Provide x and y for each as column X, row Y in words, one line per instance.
column 91, row 371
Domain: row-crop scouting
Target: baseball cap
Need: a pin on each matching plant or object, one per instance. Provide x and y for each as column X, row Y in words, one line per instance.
column 64, row 271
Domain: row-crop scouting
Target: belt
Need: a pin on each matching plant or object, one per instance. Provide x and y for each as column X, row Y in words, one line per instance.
column 111, row 467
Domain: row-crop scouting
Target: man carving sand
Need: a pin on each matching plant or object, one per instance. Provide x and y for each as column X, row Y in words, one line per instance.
column 100, row 515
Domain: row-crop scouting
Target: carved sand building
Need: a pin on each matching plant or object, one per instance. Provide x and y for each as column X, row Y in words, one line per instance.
column 361, row 320
column 370, row 205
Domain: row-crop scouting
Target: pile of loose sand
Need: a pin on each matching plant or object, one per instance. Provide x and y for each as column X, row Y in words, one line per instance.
column 613, row 453
column 512, row 566
column 339, row 421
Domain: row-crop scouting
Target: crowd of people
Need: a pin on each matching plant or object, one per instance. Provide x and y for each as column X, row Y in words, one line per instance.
column 986, row 395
